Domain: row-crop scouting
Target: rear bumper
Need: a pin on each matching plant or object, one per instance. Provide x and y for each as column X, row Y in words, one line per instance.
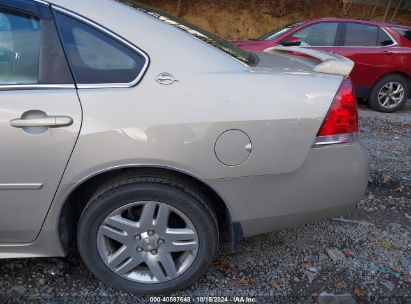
column 329, row 183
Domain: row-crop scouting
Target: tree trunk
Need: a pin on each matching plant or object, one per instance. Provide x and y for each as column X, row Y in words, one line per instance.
column 179, row 8
column 346, row 6
column 283, row 7
column 397, row 9
column 254, row 7
column 375, row 8
column 387, row 10
column 236, row 5
column 305, row 6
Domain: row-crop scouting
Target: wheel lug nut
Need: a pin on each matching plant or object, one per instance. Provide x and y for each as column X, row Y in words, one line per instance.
column 150, row 232
column 138, row 237
column 139, row 249
column 154, row 252
column 161, row 241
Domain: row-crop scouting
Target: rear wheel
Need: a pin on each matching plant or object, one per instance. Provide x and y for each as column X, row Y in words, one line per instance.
column 147, row 235
column 390, row 93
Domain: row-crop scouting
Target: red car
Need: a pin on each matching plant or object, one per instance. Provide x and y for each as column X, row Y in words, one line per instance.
column 381, row 52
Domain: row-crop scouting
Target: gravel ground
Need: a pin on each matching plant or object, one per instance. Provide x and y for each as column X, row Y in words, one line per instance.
column 366, row 258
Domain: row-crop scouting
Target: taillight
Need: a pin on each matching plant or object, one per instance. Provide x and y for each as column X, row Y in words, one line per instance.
column 341, row 123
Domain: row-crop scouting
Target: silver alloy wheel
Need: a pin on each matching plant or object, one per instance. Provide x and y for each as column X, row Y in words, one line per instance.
column 147, row 242
column 391, row 94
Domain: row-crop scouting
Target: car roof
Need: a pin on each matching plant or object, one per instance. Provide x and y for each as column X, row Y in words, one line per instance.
column 378, row 23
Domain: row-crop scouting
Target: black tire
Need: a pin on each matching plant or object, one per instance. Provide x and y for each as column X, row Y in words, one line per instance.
column 146, row 187
column 373, row 99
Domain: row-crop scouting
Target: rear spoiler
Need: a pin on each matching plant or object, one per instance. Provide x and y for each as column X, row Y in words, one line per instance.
column 331, row 63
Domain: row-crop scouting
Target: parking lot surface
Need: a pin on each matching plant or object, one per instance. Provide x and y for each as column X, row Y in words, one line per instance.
column 365, row 255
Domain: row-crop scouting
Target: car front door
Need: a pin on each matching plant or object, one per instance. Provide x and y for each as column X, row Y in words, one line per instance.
column 374, row 52
column 40, row 117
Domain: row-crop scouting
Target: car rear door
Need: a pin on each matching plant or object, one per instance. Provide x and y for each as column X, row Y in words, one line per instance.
column 374, row 52
column 40, row 117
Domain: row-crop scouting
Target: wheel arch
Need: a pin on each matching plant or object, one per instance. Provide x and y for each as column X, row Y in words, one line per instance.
column 77, row 198
column 395, row 72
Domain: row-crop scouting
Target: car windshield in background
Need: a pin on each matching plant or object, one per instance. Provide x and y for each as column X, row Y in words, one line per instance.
column 197, row 32
column 279, row 31
column 405, row 32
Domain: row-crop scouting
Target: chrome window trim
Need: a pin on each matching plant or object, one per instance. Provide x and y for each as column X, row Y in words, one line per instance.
column 42, row 2
column 8, row 87
column 116, row 37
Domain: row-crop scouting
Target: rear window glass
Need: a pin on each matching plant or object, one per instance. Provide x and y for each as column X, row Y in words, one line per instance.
column 383, row 38
column 405, row 32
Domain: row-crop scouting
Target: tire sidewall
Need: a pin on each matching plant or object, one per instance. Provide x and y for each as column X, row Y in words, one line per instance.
column 97, row 210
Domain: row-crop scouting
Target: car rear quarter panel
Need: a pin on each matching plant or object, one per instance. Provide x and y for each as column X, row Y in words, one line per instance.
column 404, row 65
column 176, row 126
column 372, row 63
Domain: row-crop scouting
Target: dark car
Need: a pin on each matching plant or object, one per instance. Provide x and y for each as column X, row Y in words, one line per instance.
column 381, row 52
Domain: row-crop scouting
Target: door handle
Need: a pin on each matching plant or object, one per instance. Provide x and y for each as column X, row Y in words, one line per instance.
column 387, row 53
column 48, row 122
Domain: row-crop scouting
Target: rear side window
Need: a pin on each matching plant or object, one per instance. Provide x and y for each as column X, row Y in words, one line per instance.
column 383, row 38
column 19, row 48
column 403, row 32
column 357, row 34
column 360, row 35
column 319, row 34
column 97, row 58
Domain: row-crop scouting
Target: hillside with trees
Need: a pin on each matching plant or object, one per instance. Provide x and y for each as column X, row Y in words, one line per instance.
column 242, row 19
